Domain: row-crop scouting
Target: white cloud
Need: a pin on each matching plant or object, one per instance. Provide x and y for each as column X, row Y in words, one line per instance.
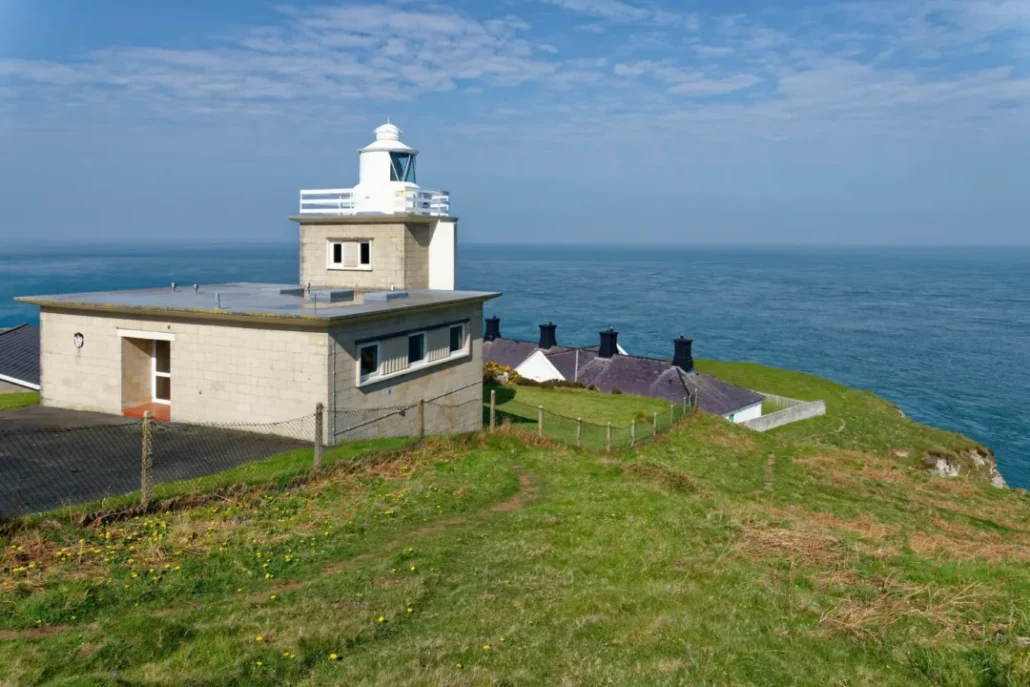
column 613, row 10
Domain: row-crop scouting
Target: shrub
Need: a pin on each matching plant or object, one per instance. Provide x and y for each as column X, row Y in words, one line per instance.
column 492, row 372
column 616, row 392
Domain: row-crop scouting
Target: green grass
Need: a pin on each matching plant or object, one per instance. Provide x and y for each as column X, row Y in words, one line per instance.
column 595, row 407
column 809, row 555
column 19, row 400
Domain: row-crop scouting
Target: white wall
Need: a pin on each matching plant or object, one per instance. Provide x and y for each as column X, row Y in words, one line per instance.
column 442, row 249
column 537, row 367
column 751, row 412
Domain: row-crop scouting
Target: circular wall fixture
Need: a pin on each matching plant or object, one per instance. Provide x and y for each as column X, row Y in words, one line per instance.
column 78, row 339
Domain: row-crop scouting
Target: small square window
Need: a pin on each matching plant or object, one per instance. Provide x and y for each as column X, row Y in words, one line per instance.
column 416, row 348
column 366, row 253
column 369, row 360
column 457, row 338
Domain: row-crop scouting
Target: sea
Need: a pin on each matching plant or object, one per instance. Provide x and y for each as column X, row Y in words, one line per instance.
column 943, row 333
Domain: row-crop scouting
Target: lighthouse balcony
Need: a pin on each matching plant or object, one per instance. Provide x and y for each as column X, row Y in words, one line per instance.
column 334, row 202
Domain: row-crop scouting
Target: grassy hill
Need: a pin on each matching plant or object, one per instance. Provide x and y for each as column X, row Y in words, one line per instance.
column 822, row 553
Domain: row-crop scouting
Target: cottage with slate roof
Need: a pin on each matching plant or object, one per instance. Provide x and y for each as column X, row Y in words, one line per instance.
column 607, row 368
column 374, row 322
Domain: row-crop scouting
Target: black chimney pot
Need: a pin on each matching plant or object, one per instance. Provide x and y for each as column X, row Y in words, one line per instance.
column 547, row 335
column 683, row 357
column 493, row 329
column 609, row 343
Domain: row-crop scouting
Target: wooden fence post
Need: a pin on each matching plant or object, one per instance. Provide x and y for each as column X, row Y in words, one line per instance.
column 319, row 412
column 579, row 432
column 608, row 439
column 672, row 414
column 685, row 404
column 632, row 432
column 421, row 418
column 540, row 421
column 146, row 483
column 493, row 410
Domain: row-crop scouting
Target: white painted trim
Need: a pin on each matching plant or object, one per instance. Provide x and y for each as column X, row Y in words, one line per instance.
column 19, row 382
column 538, row 368
column 409, row 370
column 142, row 334
column 330, row 264
column 154, row 374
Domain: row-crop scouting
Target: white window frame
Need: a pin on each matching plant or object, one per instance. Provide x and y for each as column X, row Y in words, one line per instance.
column 425, row 350
column 155, row 374
column 464, row 352
column 372, row 376
column 461, row 348
column 330, row 264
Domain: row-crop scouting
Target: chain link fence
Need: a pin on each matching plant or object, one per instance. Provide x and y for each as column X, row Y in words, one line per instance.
column 44, row 469
column 579, row 432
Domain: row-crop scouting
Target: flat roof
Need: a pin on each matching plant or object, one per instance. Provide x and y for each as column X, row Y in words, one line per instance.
column 253, row 301
column 371, row 218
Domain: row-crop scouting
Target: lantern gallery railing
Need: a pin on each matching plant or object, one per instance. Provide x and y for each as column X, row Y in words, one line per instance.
column 342, row 201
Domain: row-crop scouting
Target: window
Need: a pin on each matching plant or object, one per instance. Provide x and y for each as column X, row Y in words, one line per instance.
column 457, row 338
column 162, row 384
column 416, row 348
column 402, row 167
column 369, row 361
column 350, row 255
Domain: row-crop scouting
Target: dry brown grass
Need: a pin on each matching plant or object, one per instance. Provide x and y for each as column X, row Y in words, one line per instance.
column 894, row 601
column 844, row 468
column 736, row 442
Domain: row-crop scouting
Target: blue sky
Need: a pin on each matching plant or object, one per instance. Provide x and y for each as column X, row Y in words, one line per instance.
column 715, row 121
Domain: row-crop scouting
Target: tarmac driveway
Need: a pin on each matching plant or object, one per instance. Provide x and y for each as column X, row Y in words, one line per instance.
column 51, row 457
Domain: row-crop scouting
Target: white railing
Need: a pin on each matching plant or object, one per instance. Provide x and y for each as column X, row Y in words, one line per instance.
column 341, row 201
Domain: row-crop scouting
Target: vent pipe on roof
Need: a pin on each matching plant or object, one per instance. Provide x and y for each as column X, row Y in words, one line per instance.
column 682, row 355
column 547, row 339
column 609, row 343
column 493, row 329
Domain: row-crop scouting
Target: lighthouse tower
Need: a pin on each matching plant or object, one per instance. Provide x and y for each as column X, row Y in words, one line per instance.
column 385, row 232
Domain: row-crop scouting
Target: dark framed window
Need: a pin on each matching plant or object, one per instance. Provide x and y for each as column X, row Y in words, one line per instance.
column 369, row 360
column 457, row 338
column 402, row 167
column 416, row 348
column 366, row 253
column 337, row 253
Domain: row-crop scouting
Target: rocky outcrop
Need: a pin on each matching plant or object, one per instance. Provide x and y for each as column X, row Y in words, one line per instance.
column 977, row 462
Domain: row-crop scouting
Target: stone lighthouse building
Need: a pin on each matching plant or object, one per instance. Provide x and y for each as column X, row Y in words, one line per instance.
column 374, row 323
column 384, row 233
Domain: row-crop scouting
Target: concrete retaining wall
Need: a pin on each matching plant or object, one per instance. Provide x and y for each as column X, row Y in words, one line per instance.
column 802, row 411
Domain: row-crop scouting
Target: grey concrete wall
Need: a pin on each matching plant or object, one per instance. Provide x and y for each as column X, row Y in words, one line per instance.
column 416, row 256
column 458, row 412
column 787, row 416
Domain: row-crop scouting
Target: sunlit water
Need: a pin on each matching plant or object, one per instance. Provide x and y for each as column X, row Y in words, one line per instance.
column 942, row 333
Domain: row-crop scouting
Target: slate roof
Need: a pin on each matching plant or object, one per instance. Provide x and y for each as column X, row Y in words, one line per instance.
column 512, row 352
column 652, row 377
column 629, row 374
column 19, row 353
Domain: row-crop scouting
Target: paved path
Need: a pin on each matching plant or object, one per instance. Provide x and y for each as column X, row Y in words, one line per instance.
column 51, row 457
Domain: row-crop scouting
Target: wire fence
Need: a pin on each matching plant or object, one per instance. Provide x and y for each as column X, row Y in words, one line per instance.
column 581, row 433
column 46, row 468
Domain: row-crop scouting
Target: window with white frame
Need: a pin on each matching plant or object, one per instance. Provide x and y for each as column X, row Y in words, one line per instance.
column 416, row 348
column 457, row 339
column 349, row 255
column 398, row 354
column 368, row 361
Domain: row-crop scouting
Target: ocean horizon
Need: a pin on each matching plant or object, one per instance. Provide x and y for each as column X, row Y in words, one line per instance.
column 942, row 332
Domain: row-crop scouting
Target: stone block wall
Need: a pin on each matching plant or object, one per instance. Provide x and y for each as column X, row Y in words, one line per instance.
column 463, row 375
column 221, row 372
column 400, row 255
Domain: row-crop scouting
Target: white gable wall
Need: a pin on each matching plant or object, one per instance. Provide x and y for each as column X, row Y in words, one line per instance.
column 751, row 412
column 538, row 368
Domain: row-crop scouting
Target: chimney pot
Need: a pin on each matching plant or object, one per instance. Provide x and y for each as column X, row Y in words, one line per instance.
column 547, row 338
column 609, row 343
column 683, row 357
column 493, row 329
